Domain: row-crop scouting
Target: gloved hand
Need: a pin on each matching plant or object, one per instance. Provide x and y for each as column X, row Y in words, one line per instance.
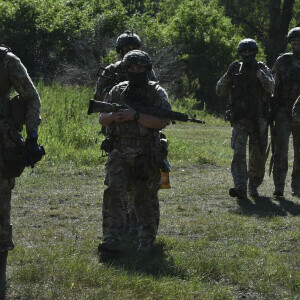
column 33, row 152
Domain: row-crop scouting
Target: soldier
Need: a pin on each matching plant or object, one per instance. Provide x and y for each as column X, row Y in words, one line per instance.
column 133, row 155
column 287, row 90
column 249, row 83
column 113, row 75
column 14, row 75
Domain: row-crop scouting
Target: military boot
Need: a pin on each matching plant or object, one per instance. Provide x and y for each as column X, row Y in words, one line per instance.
column 278, row 192
column 3, row 262
column 253, row 191
column 145, row 247
column 109, row 245
column 234, row 192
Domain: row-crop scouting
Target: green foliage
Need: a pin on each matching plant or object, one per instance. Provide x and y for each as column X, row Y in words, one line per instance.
column 67, row 132
column 191, row 41
column 207, row 41
column 44, row 33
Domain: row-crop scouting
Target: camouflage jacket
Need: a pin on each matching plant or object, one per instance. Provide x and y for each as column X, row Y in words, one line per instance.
column 287, row 80
column 296, row 111
column 152, row 95
column 13, row 75
column 104, row 85
column 248, row 90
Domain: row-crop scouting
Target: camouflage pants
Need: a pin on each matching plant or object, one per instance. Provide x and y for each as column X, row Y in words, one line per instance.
column 239, row 138
column 284, row 126
column 6, row 186
column 145, row 178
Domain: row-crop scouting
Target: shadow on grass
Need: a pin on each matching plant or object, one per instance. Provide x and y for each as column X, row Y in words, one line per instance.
column 289, row 206
column 261, row 208
column 158, row 263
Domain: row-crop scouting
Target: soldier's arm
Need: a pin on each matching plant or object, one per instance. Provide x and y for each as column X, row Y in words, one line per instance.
column 265, row 76
column 106, row 119
column 24, row 86
column 224, row 85
column 162, row 103
column 149, row 121
column 104, row 85
column 277, row 82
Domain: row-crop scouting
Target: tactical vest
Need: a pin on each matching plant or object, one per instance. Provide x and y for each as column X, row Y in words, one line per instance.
column 290, row 88
column 133, row 130
column 247, row 94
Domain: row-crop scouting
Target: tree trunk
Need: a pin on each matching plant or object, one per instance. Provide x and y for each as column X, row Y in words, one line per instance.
column 280, row 19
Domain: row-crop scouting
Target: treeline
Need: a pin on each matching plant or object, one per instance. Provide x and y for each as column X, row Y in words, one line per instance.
column 191, row 41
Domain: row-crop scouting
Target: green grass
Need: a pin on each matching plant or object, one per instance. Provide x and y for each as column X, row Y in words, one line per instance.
column 208, row 246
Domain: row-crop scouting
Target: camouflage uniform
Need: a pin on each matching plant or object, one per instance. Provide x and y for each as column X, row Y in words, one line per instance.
column 287, row 90
column 13, row 74
column 249, row 92
column 103, row 86
column 133, row 160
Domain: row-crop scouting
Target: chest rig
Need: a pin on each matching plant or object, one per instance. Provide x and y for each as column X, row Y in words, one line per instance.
column 246, row 95
column 132, row 132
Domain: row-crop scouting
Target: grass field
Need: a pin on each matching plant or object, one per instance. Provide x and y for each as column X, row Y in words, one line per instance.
column 208, row 246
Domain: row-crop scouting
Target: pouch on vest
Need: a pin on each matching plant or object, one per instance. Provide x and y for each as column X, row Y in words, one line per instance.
column 12, row 147
column 245, row 93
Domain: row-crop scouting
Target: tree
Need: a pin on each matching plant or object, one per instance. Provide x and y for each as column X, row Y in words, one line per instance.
column 267, row 21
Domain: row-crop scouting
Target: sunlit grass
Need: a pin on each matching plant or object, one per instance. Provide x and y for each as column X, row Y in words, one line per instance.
column 208, row 245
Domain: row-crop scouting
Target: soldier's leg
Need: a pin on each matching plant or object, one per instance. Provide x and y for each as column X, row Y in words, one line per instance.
column 3, row 262
column 282, row 131
column 239, row 136
column 147, row 207
column 113, row 208
column 257, row 157
column 296, row 166
column 131, row 220
column 6, row 242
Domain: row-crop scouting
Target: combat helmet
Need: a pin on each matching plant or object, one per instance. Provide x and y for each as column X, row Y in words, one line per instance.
column 293, row 35
column 137, row 57
column 247, row 44
column 127, row 38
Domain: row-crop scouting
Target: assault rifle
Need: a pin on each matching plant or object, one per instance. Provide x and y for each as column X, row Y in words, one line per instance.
column 103, row 107
column 112, row 77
